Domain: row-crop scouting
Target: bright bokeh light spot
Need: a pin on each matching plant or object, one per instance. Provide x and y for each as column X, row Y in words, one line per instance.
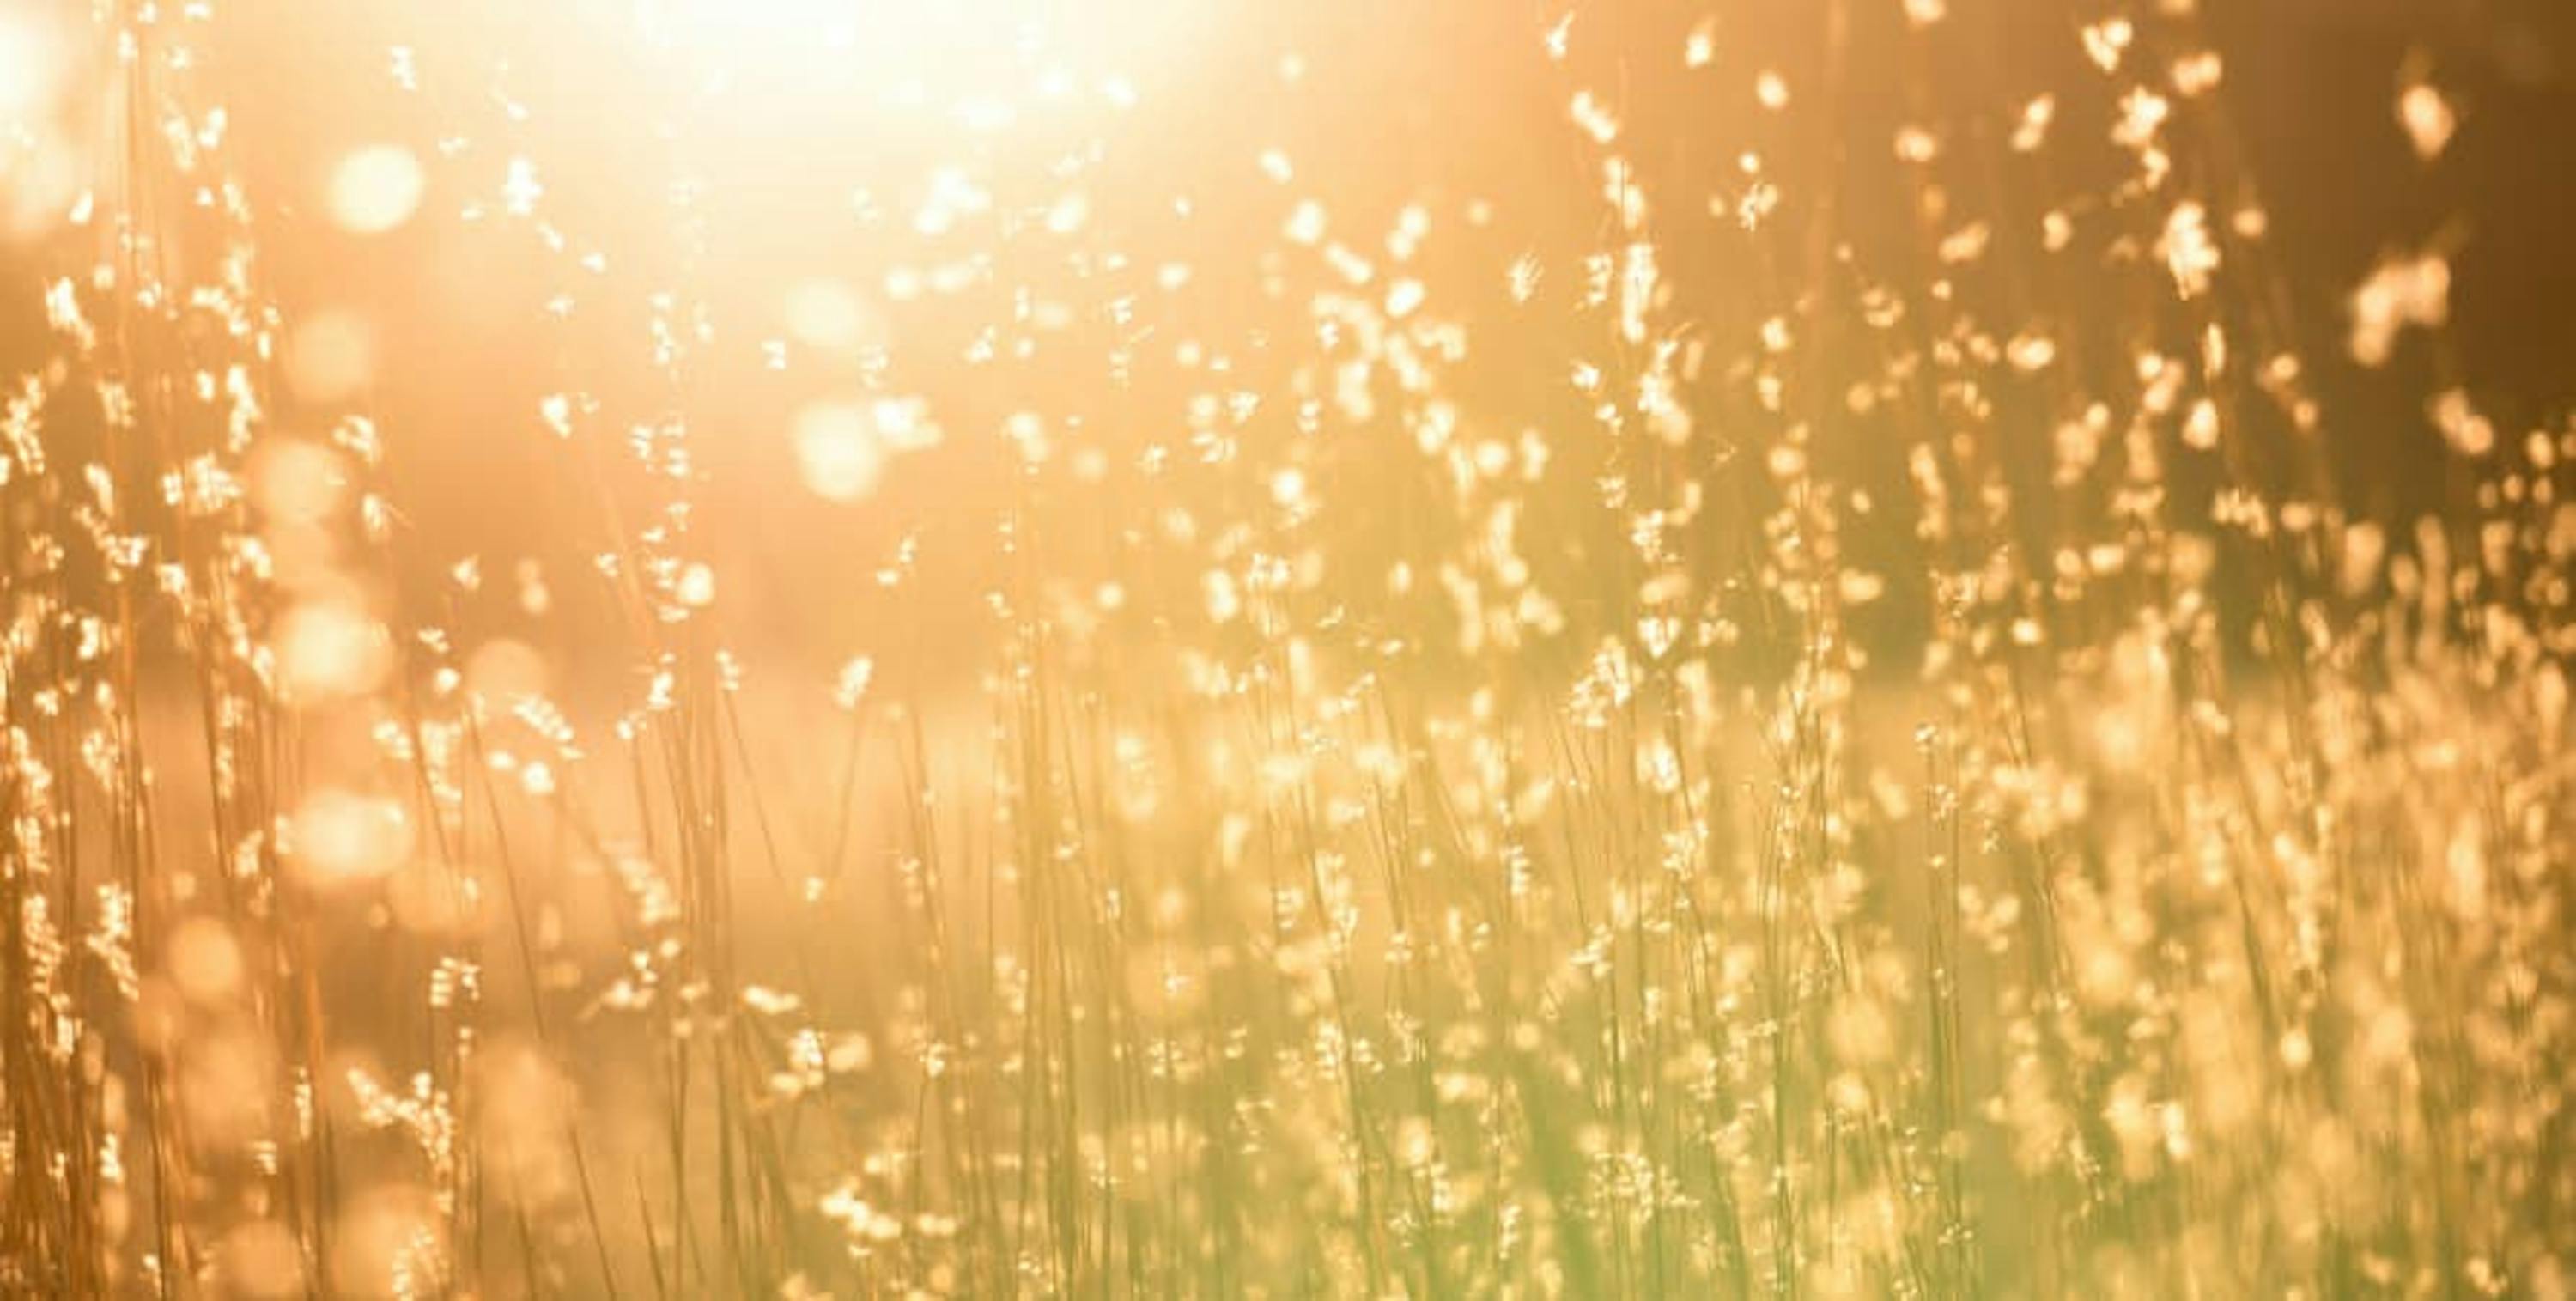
column 376, row 188
column 842, row 446
column 296, row 481
column 327, row 649
column 697, row 587
column 41, row 166
column 31, row 66
column 205, row 960
column 40, row 183
column 2429, row 120
column 903, row 424
column 837, row 453
column 827, row 314
column 343, row 837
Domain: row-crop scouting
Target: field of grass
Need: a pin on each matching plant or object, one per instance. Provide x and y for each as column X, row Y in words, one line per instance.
column 1148, row 650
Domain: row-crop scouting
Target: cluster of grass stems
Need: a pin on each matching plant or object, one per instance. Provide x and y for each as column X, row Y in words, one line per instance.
column 2134, row 888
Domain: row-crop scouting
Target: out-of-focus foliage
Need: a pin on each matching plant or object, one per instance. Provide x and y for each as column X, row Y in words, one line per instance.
column 779, row 648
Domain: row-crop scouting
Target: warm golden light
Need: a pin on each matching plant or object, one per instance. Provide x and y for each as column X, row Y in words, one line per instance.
column 838, row 450
column 342, row 838
column 33, row 57
column 805, row 649
column 829, row 315
column 328, row 648
column 330, row 356
column 376, row 188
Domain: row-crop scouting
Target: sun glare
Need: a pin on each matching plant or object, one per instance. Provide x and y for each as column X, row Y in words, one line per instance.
column 860, row 39
column 376, row 188
column 32, row 56
column 980, row 61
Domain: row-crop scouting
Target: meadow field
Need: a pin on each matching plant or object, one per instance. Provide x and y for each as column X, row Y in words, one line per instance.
column 1379, row 648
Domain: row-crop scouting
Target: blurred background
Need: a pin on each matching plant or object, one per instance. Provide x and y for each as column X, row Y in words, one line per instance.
column 955, row 214
column 1209, row 429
